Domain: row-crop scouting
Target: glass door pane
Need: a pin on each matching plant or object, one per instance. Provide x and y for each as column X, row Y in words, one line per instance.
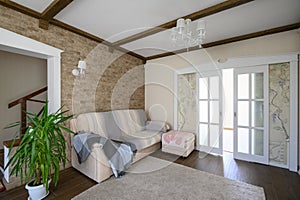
column 214, row 136
column 210, row 131
column 203, row 133
column 243, row 86
column 214, row 111
column 214, row 84
column 203, row 90
column 257, row 85
column 243, row 113
column 257, row 114
column 257, row 138
column 203, row 114
column 243, row 140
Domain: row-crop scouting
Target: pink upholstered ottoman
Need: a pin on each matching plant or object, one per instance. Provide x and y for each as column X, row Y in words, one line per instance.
column 178, row 142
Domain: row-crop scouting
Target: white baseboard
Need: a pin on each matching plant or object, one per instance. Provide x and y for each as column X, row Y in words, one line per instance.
column 276, row 164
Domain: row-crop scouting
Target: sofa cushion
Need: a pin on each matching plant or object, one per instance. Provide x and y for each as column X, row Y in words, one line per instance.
column 156, row 126
column 139, row 116
column 101, row 123
column 111, row 129
column 120, row 125
column 142, row 139
column 130, row 121
column 91, row 122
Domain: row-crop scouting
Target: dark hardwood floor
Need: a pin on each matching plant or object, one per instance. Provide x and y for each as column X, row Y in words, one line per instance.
column 71, row 183
column 279, row 184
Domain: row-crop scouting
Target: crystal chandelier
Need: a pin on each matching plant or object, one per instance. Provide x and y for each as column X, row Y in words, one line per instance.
column 182, row 35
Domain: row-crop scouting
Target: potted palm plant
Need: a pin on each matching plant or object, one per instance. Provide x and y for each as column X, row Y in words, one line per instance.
column 41, row 150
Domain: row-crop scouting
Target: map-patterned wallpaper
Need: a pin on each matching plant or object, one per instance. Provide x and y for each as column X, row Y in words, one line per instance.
column 187, row 97
column 279, row 112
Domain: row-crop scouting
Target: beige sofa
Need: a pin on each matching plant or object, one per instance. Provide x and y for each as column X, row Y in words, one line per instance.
column 121, row 125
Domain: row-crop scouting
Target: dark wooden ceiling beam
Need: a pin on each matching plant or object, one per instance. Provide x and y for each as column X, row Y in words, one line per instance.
column 231, row 40
column 194, row 16
column 53, row 9
column 253, row 35
column 94, row 38
column 78, row 31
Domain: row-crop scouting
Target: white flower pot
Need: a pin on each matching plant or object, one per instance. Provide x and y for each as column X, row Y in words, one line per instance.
column 37, row 192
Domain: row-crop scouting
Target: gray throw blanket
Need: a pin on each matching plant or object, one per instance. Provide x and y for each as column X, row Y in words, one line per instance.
column 119, row 155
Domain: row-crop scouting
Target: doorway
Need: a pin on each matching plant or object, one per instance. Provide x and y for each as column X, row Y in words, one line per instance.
column 205, row 135
column 15, row 43
column 228, row 110
column 232, row 106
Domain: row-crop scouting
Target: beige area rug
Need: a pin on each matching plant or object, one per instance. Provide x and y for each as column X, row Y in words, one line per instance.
column 153, row 178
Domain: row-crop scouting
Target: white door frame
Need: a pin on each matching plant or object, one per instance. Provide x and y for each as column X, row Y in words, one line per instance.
column 209, row 149
column 293, row 153
column 236, row 154
column 249, row 61
column 16, row 43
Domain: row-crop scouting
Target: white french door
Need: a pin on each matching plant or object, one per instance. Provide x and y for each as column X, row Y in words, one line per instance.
column 251, row 114
column 210, row 113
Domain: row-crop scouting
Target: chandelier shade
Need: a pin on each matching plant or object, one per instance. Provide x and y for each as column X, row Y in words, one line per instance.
column 183, row 35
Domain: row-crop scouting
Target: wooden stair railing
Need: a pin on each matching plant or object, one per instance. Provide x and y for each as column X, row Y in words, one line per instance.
column 23, row 126
column 23, row 102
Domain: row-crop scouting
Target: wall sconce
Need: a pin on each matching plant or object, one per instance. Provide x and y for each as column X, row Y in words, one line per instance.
column 81, row 69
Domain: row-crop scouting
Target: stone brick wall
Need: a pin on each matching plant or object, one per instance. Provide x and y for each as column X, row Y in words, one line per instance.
column 113, row 80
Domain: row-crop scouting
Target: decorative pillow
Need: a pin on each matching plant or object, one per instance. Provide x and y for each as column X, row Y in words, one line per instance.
column 156, row 126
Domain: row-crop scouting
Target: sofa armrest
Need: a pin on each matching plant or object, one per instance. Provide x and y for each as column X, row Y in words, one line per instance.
column 156, row 125
column 73, row 126
column 96, row 166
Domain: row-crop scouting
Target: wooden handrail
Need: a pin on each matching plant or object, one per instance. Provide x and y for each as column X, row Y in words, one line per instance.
column 23, row 102
column 40, row 112
column 25, row 98
column 8, row 143
column 35, row 100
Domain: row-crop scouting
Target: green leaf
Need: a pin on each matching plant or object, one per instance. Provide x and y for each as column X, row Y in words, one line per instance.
column 42, row 147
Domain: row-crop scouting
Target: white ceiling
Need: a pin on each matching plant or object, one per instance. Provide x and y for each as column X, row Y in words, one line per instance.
column 37, row 5
column 117, row 19
column 252, row 17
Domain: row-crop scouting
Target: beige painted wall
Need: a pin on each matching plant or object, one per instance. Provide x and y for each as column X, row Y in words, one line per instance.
column 159, row 92
column 20, row 75
column 162, row 70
